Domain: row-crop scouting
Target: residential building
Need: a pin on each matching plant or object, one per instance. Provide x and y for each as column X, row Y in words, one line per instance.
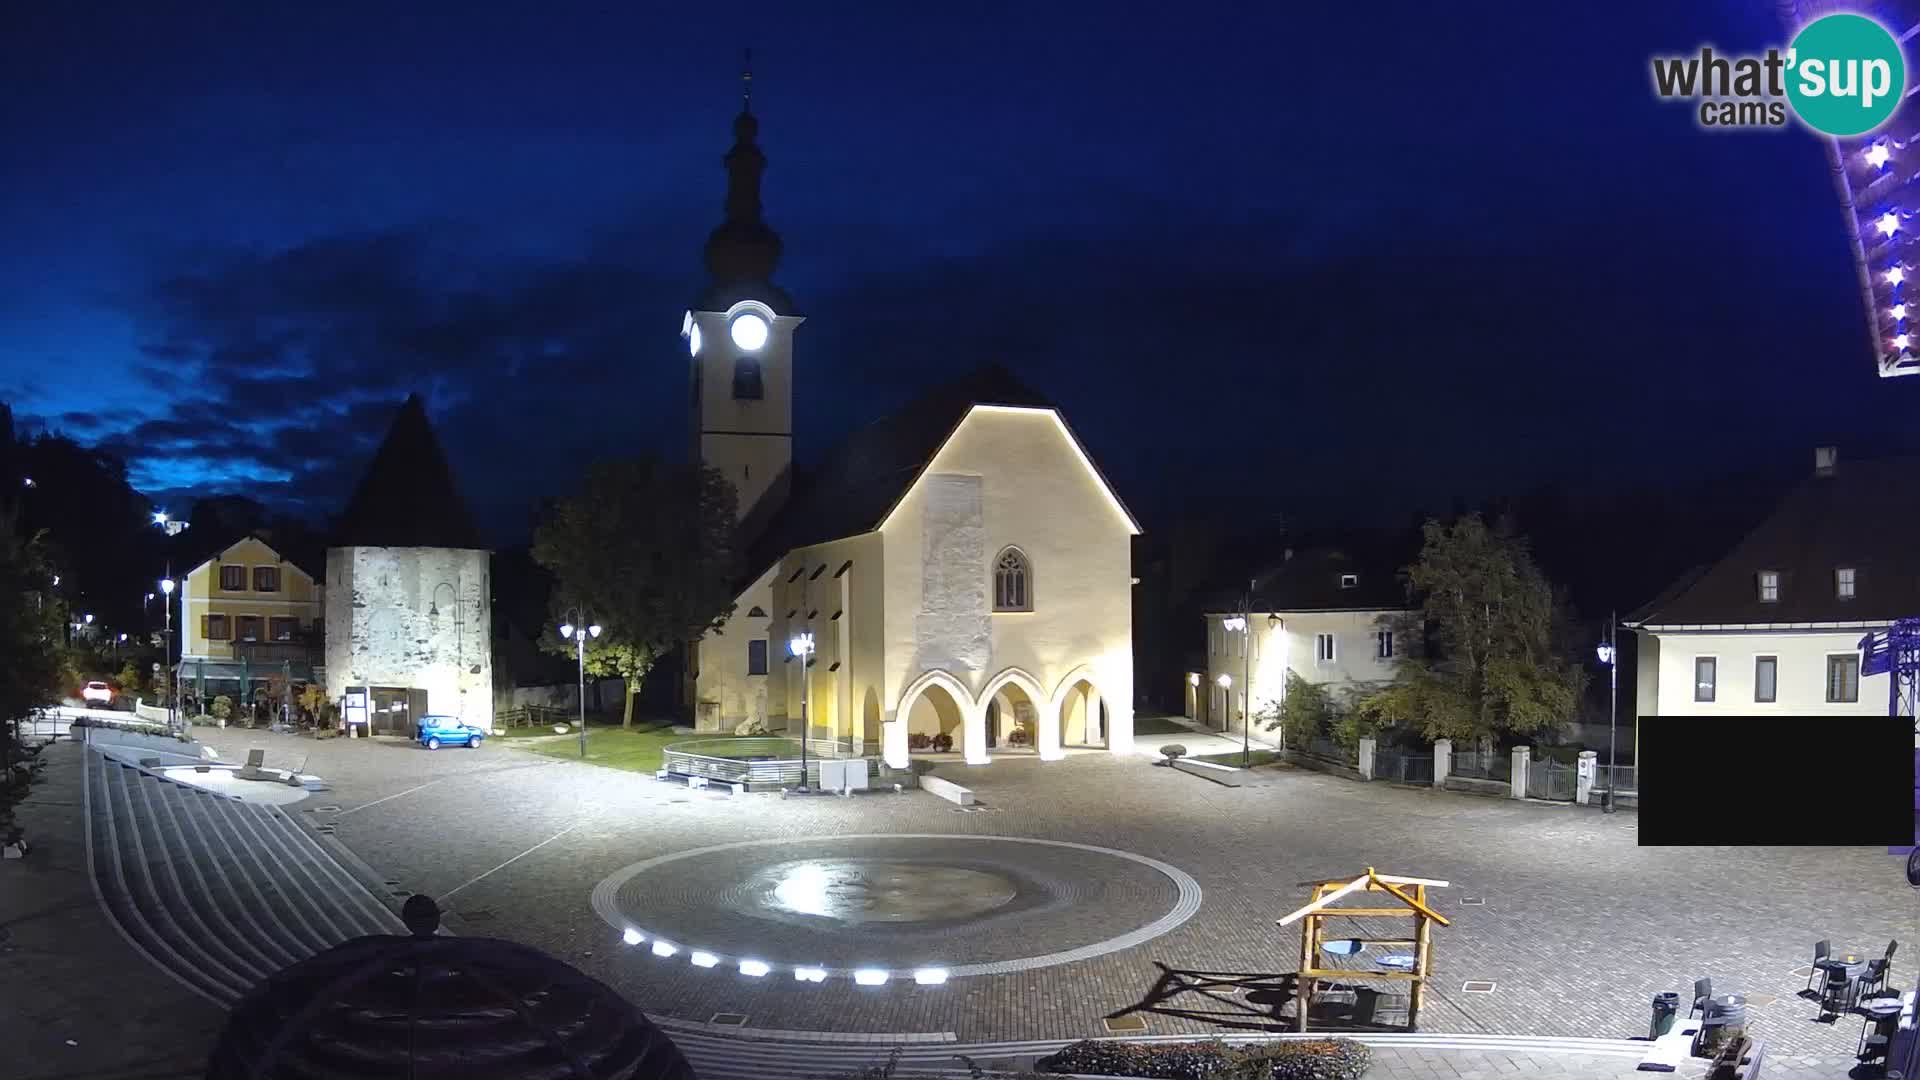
column 1322, row 615
column 409, row 594
column 962, row 567
column 1775, row 625
column 247, row 615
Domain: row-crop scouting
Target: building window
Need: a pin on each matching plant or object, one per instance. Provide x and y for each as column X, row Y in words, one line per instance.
column 266, row 579
column 746, row 379
column 1323, row 648
column 1349, row 581
column 1766, row 678
column 284, row 629
column 757, row 656
column 1012, row 582
column 1843, row 679
column 1705, row 676
column 246, row 628
column 1383, row 644
column 214, row 627
column 1769, row 586
column 233, row 579
column 1843, row 583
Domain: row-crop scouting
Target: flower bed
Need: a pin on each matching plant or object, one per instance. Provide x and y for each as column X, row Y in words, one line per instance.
column 1299, row 1059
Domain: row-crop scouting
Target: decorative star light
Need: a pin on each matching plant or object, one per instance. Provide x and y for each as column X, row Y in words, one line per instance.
column 1877, row 155
column 1889, row 223
column 1900, row 341
column 1896, row 275
column 1898, row 311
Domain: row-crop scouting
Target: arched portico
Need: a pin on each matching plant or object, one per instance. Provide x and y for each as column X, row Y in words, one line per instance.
column 1046, row 717
column 1078, row 708
column 937, row 695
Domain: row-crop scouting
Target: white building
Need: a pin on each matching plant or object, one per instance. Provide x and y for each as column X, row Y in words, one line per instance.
column 408, row 589
column 1319, row 615
column 962, row 567
column 1775, row 626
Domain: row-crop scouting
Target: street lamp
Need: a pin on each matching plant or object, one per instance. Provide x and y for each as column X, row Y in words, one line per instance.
column 1609, row 658
column 166, row 668
column 802, row 647
column 579, row 635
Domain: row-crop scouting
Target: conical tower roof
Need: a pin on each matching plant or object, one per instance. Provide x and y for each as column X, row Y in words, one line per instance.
column 407, row 497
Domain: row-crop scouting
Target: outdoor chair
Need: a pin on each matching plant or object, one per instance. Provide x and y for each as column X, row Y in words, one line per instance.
column 1702, row 991
column 1836, row 994
column 1821, row 950
column 1877, row 972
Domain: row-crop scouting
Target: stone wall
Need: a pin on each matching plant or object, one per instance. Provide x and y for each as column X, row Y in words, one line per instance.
column 413, row 617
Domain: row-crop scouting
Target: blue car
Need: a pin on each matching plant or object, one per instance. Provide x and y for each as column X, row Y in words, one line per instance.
column 433, row 732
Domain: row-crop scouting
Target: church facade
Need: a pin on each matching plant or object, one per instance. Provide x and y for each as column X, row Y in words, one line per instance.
column 961, row 568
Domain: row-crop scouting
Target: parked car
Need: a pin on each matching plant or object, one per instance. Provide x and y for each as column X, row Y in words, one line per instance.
column 97, row 692
column 433, row 732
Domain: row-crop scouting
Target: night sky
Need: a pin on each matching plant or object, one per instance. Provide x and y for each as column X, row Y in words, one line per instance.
column 1374, row 254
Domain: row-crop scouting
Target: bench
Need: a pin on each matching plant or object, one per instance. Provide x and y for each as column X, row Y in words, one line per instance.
column 948, row 790
column 1674, row 1047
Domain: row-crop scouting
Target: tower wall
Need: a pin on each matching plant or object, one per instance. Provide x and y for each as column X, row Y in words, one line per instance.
column 413, row 617
column 750, row 440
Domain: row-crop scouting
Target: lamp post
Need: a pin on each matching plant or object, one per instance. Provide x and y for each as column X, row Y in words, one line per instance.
column 579, row 635
column 802, row 647
column 1243, row 622
column 1225, row 683
column 1609, row 658
column 166, row 666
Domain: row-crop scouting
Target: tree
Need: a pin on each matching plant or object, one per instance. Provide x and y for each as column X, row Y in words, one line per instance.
column 32, row 661
column 646, row 549
column 1490, row 622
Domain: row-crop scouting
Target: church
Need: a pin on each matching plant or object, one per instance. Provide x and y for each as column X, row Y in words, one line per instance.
column 955, row 577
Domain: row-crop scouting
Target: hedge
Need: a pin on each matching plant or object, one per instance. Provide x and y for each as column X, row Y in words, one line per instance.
column 1294, row 1059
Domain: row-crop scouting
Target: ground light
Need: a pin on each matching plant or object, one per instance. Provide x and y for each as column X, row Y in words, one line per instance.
column 807, row 974
column 930, row 976
column 704, row 959
column 870, row 977
column 754, row 968
column 633, row 937
column 661, row 948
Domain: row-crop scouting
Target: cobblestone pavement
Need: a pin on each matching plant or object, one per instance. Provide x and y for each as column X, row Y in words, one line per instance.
column 1575, row 925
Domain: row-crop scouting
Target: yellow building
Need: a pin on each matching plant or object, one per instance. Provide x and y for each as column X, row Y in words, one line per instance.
column 246, row 615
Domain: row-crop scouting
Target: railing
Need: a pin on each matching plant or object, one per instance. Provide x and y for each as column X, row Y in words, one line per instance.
column 756, row 762
column 274, row 653
column 533, row 716
column 1326, row 749
column 1549, row 779
column 1402, row 768
column 1604, row 777
column 1491, row 765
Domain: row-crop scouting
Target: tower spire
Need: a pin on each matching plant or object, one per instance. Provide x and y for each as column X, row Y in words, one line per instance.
column 746, row 84
column 743, row 248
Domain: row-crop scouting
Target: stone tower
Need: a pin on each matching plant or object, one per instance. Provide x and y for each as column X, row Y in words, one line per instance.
column 409, row 591
column 740, row 337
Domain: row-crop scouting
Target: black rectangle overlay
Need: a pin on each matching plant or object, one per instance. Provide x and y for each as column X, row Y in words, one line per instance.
column 1776, row 781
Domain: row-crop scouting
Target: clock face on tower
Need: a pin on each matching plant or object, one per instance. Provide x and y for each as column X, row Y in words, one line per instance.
column 749, row 331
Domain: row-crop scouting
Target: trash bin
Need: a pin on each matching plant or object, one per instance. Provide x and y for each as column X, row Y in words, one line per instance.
column 1665, row 1008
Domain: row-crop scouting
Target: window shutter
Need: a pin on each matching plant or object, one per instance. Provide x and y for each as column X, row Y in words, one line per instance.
column 204, row 620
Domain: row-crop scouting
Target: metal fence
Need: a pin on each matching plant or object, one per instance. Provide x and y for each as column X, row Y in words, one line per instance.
column 1604, row 777
column 758, row 762
column 1490, row 765
column 1549, row 779
column 1328, row 750
column 1402, row 768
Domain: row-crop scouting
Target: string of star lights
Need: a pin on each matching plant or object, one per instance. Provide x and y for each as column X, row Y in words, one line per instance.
column 1878, row 178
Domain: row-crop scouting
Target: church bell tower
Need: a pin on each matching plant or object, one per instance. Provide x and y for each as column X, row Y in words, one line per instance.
column 739, row 334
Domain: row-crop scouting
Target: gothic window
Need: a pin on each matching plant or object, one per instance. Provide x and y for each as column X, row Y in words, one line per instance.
column 746, row 378
column 1012, row 582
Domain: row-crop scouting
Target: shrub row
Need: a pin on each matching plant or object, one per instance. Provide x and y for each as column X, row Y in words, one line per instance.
column 1305, row 1059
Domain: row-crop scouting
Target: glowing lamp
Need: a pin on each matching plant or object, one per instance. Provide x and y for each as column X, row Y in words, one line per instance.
column 813, row 975
column 1605, row 652
column 1900, row 341
column 1896, row 275
column 1889, row 223
column 704, row 959
column 749, row 331
column 1193, row 678
column 1235, row 623
column 661, row 948
column 801, row 645
column 89, row 618
column 566, row 630
column 1898, row 311
column 1224, row 681
column 166, row 585
column 754, row 968
column 159, row 517
column 632, row 936
column 693, row 341
column 870, row 977
column 1877, row 155
column 930, row 976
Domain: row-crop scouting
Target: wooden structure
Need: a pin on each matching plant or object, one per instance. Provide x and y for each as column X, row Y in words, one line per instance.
column 1411, row 894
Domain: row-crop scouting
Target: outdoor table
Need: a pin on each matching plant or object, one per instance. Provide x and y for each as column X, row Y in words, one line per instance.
column 1850, row 962
column 1397, row 961
column 1882, row 1017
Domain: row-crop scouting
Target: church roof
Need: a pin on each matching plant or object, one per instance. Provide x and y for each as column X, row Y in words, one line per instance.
column 407, row 497
column 858, row 485
column 1857, row 517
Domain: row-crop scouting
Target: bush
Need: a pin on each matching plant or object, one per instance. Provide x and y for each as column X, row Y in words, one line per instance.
column 1306, row 1059
column 942, row 743
column 222, row 708
column 919, row 740
column 1173, row 752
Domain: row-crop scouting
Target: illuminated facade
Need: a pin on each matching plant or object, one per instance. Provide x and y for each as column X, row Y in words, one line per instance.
column 961, row 567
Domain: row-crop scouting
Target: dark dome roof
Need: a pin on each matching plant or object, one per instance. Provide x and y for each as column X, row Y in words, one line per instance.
column 424, row 1006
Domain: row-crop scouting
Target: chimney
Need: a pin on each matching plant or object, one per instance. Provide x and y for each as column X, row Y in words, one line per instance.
column 1825, row 458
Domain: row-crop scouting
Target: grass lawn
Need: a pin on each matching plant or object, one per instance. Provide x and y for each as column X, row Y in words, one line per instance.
column 636, row 749
column 1156, row 725
column 1260, row 757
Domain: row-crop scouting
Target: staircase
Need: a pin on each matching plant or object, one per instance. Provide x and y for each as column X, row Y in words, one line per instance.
column 217, row 892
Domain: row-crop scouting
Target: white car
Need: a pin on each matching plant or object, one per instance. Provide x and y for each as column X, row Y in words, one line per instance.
column 97, row 692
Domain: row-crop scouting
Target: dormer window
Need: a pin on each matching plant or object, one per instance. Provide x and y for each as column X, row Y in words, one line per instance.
column 1349, row 581
column 1769, row 586
column 1843, row 582
column 746, row 379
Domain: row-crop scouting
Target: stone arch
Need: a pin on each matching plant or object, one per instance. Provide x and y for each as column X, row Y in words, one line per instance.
column 1046, row 728
column 1077, row 711
column 870, row 720
column 966, row 732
